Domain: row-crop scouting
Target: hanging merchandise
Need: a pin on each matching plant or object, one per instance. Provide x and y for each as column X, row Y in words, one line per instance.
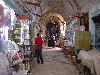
column 82, row 28
column 82, row 40
column 41, row 30
column 74, row 15
column 4, row 15
column 77, row 28
column 1, row 15
column 16, row 59
column 68, row 27
column 70, row 15
column 12, row 47
column 33, row 41
column 71, row 33
column 3, row 46
column 8, row 50
column 4, row 64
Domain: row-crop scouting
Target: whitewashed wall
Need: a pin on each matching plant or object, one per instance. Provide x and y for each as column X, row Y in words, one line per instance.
column 95, row 10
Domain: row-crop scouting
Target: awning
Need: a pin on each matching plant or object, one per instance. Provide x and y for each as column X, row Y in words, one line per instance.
column 11, row 5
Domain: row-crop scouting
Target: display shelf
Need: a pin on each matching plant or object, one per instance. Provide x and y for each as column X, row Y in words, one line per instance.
column 26, row 56
column 23, row 37
column 17, row 34
column 10, row 34
column 17, row 28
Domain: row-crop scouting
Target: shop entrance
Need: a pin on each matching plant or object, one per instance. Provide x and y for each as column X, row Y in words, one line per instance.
column 96, row 20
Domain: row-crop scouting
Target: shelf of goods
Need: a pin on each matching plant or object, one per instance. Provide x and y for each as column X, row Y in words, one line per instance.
column 23, row 40
column 10, row 34
column 17, row 32
column 27, row 56
column 10, row 58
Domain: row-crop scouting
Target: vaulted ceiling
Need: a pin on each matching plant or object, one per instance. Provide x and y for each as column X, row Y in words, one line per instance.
column 57, row 9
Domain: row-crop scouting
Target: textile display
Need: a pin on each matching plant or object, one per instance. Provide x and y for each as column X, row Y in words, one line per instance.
column 4, row 64
column 82, row 40
column 9, row 56
column 91, row 59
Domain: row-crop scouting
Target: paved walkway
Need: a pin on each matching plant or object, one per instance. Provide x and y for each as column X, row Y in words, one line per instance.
column 55, row 63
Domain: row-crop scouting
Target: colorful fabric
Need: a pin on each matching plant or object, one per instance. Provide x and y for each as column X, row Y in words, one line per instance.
column 82, row 40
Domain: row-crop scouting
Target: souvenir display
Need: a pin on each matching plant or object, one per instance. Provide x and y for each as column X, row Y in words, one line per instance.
column 12, row 52
column 9, row 56
column 3, row 46
column 4, row 64
column 12, row 47
column 82, row 28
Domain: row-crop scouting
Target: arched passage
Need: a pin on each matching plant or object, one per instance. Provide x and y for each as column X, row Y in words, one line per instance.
column 52, row 23
column 53, row 29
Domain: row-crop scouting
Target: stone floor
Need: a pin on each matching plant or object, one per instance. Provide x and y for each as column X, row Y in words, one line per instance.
column 55, row 63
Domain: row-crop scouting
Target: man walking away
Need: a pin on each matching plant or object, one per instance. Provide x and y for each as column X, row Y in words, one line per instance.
column 39, row 42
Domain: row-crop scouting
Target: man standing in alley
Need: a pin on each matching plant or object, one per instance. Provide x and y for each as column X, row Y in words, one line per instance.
column 39, row 42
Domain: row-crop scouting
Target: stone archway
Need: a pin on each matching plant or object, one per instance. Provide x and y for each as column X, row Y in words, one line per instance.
column 47, row 22
column 53, row 29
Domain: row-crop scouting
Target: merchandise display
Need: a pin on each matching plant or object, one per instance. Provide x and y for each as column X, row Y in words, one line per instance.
column 21, row 72
column 21, row 32
column 12, row 47
column 10, row 57
column 10, row 39
column 17, row 32
column 82, row 40
column 22, row 37
column 13, row 53
column 10, row 34
column 4, row 64
column 3, row 46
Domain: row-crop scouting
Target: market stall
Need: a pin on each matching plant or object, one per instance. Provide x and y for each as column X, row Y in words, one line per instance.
column 10, row 63
column 91, row 60
column 10, row 58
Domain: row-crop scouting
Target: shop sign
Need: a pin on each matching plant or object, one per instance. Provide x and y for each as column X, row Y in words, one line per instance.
column 74, row 15
column 22, row 17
